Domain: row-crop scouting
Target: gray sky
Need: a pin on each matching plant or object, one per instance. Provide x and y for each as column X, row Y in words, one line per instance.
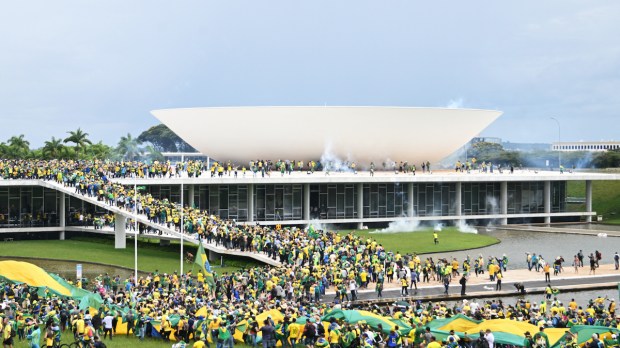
column 103, row 65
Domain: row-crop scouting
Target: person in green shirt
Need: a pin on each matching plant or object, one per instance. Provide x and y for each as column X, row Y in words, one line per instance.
column 541, row 338
column 33, row 334
column 528, row 341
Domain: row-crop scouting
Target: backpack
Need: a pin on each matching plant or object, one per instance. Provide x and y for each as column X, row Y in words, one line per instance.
column 321, row 330
column 12, row 332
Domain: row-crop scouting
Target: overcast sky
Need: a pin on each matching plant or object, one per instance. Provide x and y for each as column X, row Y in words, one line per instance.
column 103, row 65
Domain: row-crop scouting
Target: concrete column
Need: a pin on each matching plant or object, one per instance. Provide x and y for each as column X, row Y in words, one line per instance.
column 120, row 241
column 503, row 202
column 458, row 199
column 190, row 194
column 62, row 215
column 250, row 202
column 589, row 199
column 410, row 198
column 307, row 202
column 360, row 204
column 547, row 201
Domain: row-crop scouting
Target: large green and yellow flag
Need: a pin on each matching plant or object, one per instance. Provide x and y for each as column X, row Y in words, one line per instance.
column 202, row 261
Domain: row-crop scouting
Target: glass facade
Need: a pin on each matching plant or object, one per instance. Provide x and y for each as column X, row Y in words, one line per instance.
column 28, row 206
column 229, row 201
column 77, row 207
column 434, row 199
column 33, row 206
column 333, row 201
column 226, row 201
column 480, row 198
column 278, row 202
column 526, row 197
column 558, row 196
column 170, row 192
column 384, row 200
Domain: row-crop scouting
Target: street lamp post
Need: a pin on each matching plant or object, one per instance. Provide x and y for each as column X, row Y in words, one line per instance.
column 135, row 216
column 559, row 141
column 182, row 222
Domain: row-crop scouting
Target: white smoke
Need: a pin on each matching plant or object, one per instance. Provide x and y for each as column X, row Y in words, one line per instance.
column 492, row 201
column 455, row 103
column 462, row 226
column 330, row 161
column 438, row 228
column 400, row 226
column 317, row 225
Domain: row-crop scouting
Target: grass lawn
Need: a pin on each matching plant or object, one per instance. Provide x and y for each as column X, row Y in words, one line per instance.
column 151, row 255
column 422, row 242
column 605, row 198
column 120, row 342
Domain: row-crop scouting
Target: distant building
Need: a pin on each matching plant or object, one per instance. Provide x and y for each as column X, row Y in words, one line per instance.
column 592, row 146
column 174, row 157
column 493, row 140
column 525, row 147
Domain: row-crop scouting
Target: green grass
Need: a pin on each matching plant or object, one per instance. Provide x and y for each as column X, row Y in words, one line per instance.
column 151, row 255
column 605, row 198
column 120, row 342
column 422, row 241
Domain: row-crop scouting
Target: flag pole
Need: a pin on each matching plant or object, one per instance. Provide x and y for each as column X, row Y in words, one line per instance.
column 182, row 223
column 135, row 239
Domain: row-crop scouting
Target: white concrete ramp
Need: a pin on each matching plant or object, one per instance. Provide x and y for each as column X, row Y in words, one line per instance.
column 121, row 214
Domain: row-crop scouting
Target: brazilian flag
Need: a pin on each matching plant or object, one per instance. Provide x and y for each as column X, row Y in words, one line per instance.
column 202, row 261
column 312, row 233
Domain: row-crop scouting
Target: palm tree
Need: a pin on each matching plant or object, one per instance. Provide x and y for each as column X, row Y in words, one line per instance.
column 79, row 138
column 128, row 147
column 53, row 148
column 99, row 151
column 18, row 147
column 150, row 152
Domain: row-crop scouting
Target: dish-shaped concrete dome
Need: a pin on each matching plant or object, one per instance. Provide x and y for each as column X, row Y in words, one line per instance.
column 361, row 134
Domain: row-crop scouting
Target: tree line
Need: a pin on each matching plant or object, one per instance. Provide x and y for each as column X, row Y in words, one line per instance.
column 77, row 146
column 495, row 153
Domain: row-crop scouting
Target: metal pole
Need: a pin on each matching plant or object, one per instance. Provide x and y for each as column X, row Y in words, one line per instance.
column 182, row 222
column 135, row 239
column 559, row 141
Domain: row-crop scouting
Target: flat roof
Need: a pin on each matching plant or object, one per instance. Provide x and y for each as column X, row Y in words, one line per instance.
column 379, row 177
column 361, row 177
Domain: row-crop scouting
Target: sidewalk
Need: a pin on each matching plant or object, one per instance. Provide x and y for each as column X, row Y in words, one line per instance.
column 510, row 277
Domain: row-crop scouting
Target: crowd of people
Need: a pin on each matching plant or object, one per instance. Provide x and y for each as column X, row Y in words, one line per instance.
column 312, row 263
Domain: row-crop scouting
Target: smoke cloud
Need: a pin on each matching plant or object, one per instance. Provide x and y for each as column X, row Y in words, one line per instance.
column 400, row 226
column 330, row 161
column 462, row 226
column 455, row 103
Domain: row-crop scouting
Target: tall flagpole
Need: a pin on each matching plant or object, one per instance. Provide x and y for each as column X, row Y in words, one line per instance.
column 135, row 239
column 182, row 223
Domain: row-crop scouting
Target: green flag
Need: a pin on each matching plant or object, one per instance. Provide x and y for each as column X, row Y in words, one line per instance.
column 312, row 233
column 202, row 261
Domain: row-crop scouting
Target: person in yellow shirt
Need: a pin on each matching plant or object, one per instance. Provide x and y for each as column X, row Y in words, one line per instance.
column 334, row 337
column 293, row 332
column 199, row 344
column 79, row 325
column 404, row 284
column 7, row 340
column 433, row 343
column 572, row 305
column 89, row 333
